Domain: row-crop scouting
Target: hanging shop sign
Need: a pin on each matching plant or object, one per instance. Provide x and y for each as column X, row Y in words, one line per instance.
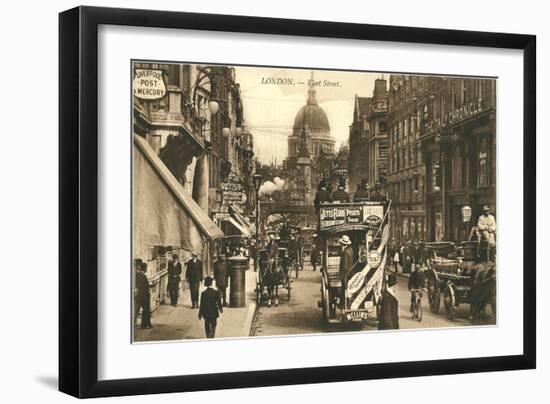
column 233, row 193
column 149, row 84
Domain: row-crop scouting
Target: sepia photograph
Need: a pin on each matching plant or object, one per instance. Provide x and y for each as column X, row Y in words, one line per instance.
column 276, row 201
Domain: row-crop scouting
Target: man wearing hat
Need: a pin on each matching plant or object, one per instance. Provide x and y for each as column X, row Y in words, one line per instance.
column 487, row 226
column 346, row 262
column 377, row 194
column 362, row 193
column 142, row 295
column 193, row 275
column 210, row 308
column 322, row 195
column 340, row 195
column 174, row 279
column 220, row 276
column 388, row 317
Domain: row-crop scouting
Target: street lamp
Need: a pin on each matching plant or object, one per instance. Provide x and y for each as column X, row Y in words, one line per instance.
column 213, row 107
column 257, row 180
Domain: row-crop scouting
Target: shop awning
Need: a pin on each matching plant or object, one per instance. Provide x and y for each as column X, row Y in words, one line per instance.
column 164, row 213
column 242, row 230
column 241, row 218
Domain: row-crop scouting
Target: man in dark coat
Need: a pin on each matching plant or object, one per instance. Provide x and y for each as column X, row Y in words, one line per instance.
column 362, row 193
column 346, row 262
column 376, row 194
column 322, row 195
column 416, row 281
column 193, row 276
column 142, row 295
column 174, row 279
column 388, row 317
column 314, row 256
column 221, row 277
column 210, row 308
column 340, row 195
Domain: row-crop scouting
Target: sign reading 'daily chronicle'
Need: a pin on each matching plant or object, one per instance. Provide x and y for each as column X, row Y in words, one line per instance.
column 459, row 114
column 149, row 84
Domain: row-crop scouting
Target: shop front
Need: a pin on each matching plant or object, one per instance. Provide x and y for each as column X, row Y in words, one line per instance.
column 166, row 220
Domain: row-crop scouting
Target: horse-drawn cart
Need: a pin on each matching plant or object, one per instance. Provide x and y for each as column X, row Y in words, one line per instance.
column 456, row 274
column 273, row 274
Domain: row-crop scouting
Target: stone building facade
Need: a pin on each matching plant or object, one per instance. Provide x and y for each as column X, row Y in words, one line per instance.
column 458, row 141
column 405, row 175
column 368, row 140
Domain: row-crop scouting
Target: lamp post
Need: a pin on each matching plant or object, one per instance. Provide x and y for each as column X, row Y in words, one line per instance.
column 257, row 179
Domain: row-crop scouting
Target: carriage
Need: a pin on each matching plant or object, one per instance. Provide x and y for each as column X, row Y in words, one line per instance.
column 295, row 246
column 273, row 274
column 457, row 273
column 355, row 298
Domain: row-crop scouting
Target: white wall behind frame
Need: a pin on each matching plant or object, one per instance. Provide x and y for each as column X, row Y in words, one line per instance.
column 120, row 44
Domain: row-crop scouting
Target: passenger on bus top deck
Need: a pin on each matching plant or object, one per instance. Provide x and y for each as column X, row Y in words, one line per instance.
column 340, row 195
column 362, row 193
column 377, row 195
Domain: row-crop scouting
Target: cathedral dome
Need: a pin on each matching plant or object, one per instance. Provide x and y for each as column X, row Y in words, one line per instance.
column 312, row 117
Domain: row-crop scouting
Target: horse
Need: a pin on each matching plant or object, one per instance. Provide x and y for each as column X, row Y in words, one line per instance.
column 483, row 289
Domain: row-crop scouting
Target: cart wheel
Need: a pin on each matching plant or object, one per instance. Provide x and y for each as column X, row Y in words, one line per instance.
column 419, row 310
column 434, row 295
column 449, row 302
column 325, row 303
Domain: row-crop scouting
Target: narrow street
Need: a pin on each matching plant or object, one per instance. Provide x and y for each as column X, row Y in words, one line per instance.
column 301, row 315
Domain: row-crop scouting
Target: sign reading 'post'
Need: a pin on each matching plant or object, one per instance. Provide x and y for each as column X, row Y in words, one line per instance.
column 149, row 84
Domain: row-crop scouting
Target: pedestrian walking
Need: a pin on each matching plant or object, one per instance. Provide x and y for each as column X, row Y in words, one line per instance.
column 174, row 279
column 388, row 318
column 346, row 262
column 221, row 277
column 193, row 276
column 396, row 261
column 210, row 308
column 314, row 256
column 142, row 295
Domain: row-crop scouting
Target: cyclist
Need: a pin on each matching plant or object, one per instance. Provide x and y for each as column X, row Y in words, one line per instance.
column 416, row 281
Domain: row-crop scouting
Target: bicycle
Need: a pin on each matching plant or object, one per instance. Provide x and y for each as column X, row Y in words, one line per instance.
column 417, row 303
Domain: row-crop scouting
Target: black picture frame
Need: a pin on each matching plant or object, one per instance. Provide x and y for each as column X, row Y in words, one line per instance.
column 78, row 196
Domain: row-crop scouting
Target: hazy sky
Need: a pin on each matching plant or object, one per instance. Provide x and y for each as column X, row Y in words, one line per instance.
column 270, row 109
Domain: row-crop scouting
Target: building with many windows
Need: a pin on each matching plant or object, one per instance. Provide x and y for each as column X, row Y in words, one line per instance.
column 358, row 167
column 368, row 147
column 405, row 174
column 458, row 139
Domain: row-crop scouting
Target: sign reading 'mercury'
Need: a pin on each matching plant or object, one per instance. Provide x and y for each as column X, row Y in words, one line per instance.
column 149, row 84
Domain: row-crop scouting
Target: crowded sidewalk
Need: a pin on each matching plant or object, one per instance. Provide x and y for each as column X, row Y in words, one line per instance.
column 182, row 322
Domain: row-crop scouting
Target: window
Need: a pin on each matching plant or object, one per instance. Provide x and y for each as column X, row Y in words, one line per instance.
column 382, row 126
column 383, row 151
column 456, row 168
column 436, row 171
column 483, row 165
